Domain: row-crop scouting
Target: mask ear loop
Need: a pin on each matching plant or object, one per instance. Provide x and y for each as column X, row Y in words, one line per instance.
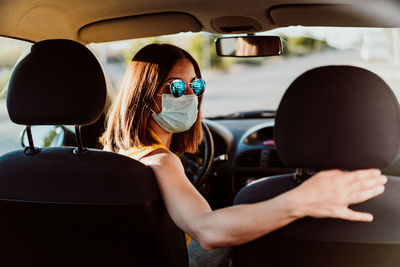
column 155, row 103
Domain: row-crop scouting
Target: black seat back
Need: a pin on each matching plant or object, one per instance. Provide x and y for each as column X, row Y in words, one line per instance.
column 68, row 207
column 332, row 117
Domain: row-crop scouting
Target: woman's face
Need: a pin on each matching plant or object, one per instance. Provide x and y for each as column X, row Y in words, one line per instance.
column 183, row 70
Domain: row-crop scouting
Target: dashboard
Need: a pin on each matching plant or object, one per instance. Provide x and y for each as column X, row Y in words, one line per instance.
column 244, row 151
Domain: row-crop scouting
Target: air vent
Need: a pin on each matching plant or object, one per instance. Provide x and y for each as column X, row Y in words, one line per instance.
column 249, row 158
column 274, row 159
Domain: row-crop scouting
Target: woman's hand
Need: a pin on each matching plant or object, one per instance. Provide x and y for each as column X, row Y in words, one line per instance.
column 329, row 193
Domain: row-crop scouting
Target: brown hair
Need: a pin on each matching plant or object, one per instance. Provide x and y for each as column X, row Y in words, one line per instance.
column 128, row 118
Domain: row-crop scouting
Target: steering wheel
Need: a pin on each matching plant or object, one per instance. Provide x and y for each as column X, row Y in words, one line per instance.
column 198, row 165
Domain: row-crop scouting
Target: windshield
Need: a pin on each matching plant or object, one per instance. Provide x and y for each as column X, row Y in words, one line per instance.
column 237, row 84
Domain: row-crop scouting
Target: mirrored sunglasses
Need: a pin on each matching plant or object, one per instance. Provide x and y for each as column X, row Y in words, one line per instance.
column 177, row 87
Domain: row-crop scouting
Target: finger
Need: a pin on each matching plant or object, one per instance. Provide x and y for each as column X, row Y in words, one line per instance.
column 352, row 215
column 366, row 184
column 361, row 175
column 367, row 194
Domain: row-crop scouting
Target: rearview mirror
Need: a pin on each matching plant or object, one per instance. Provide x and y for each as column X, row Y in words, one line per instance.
column 249, row 46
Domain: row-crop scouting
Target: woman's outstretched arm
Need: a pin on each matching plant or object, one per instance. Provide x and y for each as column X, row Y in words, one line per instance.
column 326, row 194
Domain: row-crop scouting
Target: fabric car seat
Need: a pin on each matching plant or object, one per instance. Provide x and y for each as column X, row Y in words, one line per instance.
column 333, row 117
column 69, row 206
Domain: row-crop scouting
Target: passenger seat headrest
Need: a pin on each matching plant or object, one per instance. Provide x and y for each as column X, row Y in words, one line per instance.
column 338, row 117
column 58, row 82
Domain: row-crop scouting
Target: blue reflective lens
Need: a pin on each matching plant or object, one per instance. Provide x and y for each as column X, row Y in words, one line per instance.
column 198, row 86
column 177, row 88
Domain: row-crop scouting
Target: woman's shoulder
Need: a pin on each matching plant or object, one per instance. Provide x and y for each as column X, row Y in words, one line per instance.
column 165, row 165
column 161, row 157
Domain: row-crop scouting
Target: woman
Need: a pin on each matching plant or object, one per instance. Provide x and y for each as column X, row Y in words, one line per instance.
column 157, row 115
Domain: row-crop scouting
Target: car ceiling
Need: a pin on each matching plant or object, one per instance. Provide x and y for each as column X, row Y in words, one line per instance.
column 89, row 21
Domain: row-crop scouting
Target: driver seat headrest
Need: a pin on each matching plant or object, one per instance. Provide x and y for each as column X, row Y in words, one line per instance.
column 58, row 82
column 338, row 117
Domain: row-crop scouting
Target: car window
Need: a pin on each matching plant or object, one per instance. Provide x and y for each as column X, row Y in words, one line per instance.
column 10, row 51
column 234, row 84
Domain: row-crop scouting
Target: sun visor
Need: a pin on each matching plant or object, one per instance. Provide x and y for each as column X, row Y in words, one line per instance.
column 367, row 14
column 138, row 26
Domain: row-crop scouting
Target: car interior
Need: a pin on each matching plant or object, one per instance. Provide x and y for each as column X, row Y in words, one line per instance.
column 69, row 203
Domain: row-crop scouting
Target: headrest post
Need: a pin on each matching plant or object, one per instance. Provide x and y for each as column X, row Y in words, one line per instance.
column 81, row 149
column 31, row 149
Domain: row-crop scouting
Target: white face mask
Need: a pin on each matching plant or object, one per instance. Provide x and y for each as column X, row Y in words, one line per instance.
column 178, row 114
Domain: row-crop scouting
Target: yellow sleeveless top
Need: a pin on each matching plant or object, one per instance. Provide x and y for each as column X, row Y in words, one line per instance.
column 139, row 152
